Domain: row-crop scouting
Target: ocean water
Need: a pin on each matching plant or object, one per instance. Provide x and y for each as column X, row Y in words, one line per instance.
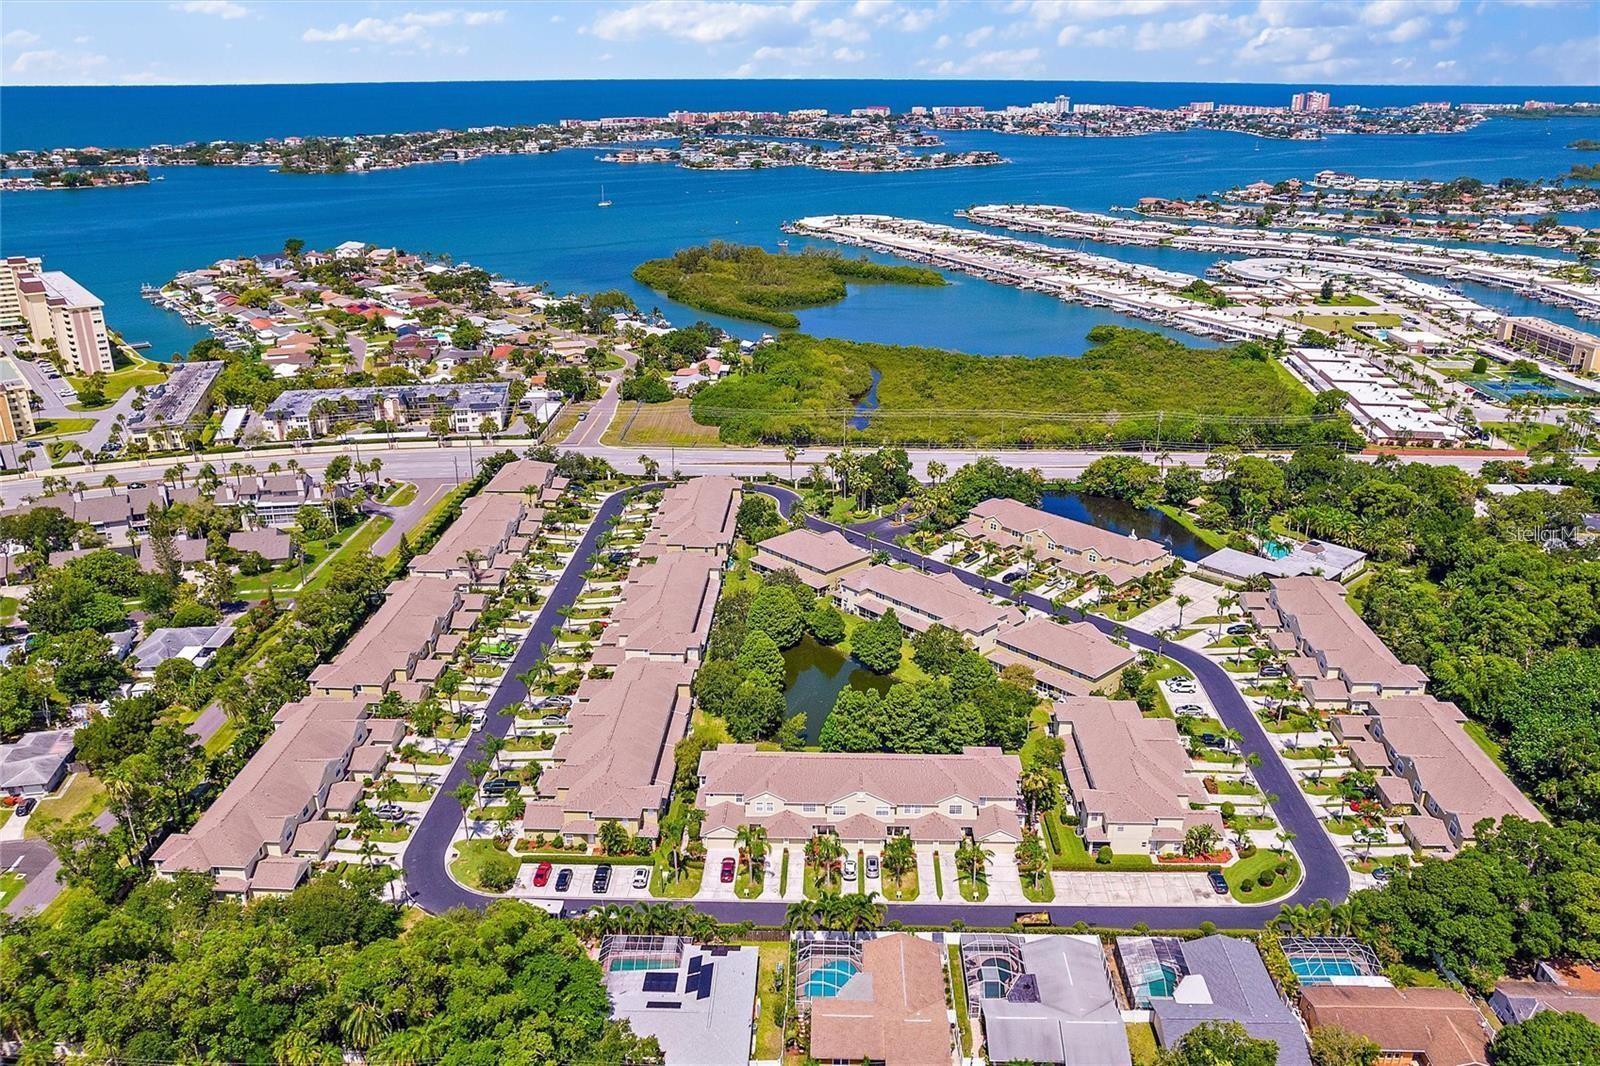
column 535, row 218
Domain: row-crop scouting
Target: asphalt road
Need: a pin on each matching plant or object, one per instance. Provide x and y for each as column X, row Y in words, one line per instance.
column 422, row 460
column 1326, row 877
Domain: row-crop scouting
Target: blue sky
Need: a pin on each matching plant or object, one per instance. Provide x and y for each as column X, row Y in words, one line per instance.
column 1462, row 42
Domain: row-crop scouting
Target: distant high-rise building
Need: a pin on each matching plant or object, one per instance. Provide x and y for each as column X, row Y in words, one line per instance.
column 54, row 307
column 1311, row 100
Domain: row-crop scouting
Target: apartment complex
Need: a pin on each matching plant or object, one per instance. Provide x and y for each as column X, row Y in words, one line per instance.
column 697, row 515
column 481, row 545
column 1416, row 744
column 1067, row 659
column 310, row 413
column 666, row 609
column 175, row 408
column 1551, row 340
column 819, row 559
column 921, row 600
column 56, row 308
column 1076, row 547
column 1129, row 776
column 614, row 763
column 1341, row 659
column 16, row 399
column 1437, row 768
column 264, row 832
column 403, row 632
column 935, row 799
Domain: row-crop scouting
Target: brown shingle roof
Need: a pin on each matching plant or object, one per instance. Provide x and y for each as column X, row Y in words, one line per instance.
column 893, row 1011
column 1439, row 1024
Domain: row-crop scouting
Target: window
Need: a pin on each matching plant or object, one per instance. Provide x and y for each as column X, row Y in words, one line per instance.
column 809, row 808
column 912, row 808
column 881, row 812
column 954, row 808
column 838, row 811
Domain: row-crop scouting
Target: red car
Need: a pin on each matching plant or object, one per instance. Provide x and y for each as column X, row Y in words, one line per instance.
column 541, row 875
column 727, row 871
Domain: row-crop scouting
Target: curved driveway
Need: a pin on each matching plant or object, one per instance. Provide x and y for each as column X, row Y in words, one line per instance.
column 1326, row 876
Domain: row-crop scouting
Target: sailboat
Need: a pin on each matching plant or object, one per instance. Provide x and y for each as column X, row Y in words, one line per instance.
column 603, row 201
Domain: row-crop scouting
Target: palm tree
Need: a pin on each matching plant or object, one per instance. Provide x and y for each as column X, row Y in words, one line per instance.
column 1200, row 840
column 298, row 1047
column 971, row 858
column 752, row 841
column 363, row 1025
column 802, row 914
column 1039, row 791
column 408, row 1047
column 790, row 454
column 899, row 857
column 826, row 856
column 1182, row 601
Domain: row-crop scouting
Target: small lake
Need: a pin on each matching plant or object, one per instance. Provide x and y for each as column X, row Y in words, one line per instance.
column 868, row 403
column 1122, row 517
column 815, row 674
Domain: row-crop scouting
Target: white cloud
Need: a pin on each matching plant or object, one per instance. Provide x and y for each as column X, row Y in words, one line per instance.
column 978, row 36
column 700, row 21
column 1185, row 33
column 943, row 41
column 1001, row 62
column 849, row 55
column 1409, row 30
column 19, row 39
column 412, row 28
column 58, row 65
column 222, row 9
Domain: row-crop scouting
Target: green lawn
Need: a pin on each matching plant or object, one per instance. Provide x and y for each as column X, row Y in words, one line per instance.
column 1347, row 299
column 84, row 794
column 774, row 1000
column 1481, row 737
column 1044, row 893
column 685, row 887
column 10, row 884
column 1142, row 1043
column 958, row 991
column 474, row 854
column 8, row 608
column 1252, row 867
column 130, row 373
column 1074, row 855
column 901, row 889
column 351, row 541
column 61, row 427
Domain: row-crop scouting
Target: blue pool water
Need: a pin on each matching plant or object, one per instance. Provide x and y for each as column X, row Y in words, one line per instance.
column 825, row 981
column 1320, row 970
column 534, row 218
column 1276, row 549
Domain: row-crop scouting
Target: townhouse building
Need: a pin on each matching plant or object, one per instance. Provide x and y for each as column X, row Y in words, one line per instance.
column 310, row 413
column 264, row 832
column 1130, row 779
column 922, row 600
column 404, row 631
column 861, row 798
column 1067, row 659
column 821, row 560
column 1077, row 547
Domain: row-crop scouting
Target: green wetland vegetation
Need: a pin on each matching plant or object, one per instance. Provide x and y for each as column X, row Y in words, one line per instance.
column 805, row 389
column 745, row 282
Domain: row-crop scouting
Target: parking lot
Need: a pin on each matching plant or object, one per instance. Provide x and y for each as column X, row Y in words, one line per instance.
column 578, row 879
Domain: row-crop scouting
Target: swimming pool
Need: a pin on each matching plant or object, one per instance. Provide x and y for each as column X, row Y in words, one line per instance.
column 1312, row 971
column 825, row 981
column 1276, row 549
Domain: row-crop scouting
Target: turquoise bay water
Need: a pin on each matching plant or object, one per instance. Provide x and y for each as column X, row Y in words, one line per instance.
column 535, row 219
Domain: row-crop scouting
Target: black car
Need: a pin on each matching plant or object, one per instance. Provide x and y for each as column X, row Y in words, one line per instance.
column 26, row 807
column 1238, row 629
column 1219, row 884
column 499, row 786
column 602, row 879
column 1271, row 671
column 563, row 880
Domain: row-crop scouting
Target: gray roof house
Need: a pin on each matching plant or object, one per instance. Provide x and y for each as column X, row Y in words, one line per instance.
column 1057, row 1006
column 35, row 765
column 198, row 644
column 1227, row 981
column 700, row 1009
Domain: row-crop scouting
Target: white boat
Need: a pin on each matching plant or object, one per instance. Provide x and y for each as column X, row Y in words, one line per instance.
column 603, row 201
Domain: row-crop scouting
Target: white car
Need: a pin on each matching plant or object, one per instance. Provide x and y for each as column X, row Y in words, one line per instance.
column 849, row 869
